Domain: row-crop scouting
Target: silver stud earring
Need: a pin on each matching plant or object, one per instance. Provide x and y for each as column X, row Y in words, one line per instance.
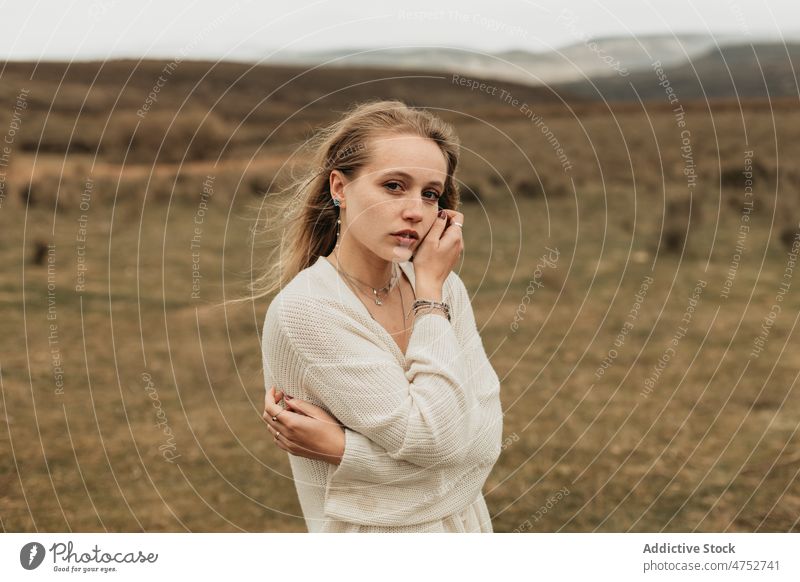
column 336, row 202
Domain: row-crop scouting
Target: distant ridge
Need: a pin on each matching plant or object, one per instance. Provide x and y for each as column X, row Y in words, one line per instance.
column 597, row 57
column 745, row 71
column 698, row 66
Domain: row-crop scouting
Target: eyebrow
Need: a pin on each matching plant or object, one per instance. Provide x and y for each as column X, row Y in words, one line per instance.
column 408, row 176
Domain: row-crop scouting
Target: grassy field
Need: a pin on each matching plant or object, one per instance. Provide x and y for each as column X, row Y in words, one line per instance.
column 133, row 401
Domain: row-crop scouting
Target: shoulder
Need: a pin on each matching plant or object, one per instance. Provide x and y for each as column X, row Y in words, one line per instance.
column 299, row 312
column 307, row 320
column 294, row 303
column 304, row 296
column 321, row 331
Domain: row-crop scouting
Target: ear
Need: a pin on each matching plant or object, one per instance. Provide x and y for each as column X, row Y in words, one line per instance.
column 337, row 183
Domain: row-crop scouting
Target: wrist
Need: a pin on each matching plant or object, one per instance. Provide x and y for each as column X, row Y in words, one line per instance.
column 421, row 306
column 435, row 310
column 428, row 290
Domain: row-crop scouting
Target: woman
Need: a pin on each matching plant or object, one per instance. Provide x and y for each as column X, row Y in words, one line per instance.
column 391, row 409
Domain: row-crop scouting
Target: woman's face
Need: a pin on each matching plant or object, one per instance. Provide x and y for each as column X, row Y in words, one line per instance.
column 398, row 189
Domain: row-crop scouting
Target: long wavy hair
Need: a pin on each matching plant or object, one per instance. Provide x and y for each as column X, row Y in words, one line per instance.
column 303, row 212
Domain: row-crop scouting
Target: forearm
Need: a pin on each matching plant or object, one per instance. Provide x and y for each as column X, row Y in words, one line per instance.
column 365, row 461
column 422, row 413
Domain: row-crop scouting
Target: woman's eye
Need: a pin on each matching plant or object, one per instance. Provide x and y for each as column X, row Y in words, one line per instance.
column 391, row 187
column 392, row 184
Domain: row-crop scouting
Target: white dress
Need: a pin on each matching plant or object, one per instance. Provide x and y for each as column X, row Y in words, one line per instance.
column 424, row 428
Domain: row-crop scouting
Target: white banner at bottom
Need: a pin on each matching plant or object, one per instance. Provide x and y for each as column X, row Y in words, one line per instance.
column 355, row 557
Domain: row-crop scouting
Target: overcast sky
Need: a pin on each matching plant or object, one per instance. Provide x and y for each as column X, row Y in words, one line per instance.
column 253, row 29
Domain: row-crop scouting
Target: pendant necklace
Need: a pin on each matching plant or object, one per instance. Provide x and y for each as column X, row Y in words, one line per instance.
column 385, row 290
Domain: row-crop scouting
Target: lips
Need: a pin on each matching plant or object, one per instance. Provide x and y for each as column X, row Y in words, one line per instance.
column 407, row 232
column 404, row 240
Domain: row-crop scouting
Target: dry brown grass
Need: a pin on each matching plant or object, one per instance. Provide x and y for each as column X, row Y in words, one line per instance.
column 713, row 448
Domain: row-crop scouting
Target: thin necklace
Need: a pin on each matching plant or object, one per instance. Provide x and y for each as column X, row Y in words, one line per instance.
column 392, row 283
column 386, row 289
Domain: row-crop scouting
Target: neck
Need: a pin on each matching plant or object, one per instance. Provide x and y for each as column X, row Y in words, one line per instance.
column 360, row 263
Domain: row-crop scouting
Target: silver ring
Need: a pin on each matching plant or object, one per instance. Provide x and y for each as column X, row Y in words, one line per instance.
column 277, row 435
column 458, row 224
column 275, row 418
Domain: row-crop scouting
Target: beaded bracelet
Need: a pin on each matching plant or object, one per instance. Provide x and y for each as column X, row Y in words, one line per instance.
column 421, row 304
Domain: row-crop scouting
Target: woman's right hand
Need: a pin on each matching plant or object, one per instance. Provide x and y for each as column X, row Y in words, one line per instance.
column 303, row 429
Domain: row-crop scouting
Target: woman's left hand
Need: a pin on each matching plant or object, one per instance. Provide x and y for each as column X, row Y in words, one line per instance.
column 303, row 429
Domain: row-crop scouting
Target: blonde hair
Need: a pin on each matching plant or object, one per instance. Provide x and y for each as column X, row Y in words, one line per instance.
column 307, row 217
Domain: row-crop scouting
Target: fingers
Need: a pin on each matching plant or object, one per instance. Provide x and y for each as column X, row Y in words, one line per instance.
column 278, row 414
column 278, row 395
column 304, row 438
column 435, row 232
column 267, row 418
column 274, row 395
column 454, row 233
column 271, row 406
column 280, row 430
column 312, row 410
column 277, row 430
column 280, row 440
column 303, row 407
column 269, row 397
column 454, row 215
column 287, row 439
column 281, row 422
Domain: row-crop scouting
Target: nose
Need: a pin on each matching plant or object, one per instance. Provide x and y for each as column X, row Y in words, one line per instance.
column 413, row 209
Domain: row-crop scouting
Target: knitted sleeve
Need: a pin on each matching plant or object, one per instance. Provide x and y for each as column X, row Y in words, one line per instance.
column 366, row 461
column 424, row 415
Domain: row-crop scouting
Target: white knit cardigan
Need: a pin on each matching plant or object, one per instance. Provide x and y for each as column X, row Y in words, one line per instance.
column 423, row 429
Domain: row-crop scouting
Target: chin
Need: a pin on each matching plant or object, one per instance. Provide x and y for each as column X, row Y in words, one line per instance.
column 401, row 255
